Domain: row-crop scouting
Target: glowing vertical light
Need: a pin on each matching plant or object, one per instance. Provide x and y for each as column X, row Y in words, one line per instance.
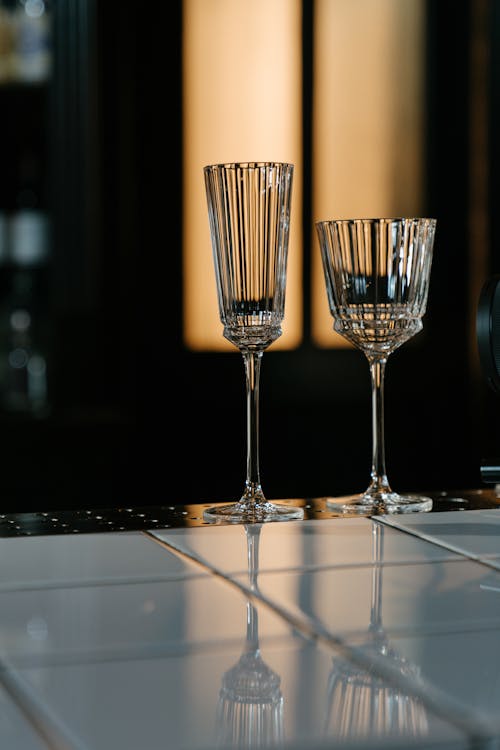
column 242, row 101
column 368, row 120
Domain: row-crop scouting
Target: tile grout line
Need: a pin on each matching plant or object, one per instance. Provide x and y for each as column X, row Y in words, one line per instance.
column 47, row 725
column 474, row 725
column 471, row 556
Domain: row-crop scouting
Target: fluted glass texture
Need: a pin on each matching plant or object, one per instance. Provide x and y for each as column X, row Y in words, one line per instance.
column 361, row 705
column 377, row 278
column 377, row 274
column 249, row 216
column 250, row 708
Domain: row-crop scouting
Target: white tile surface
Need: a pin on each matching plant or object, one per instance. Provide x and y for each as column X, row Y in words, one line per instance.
column 440, row 597
column 118, row 641
column 16, row 731
column 475, row 533
column 195, row 702
column 299, row 544
column 463, row 666
column 86, row 559
column 125, row 621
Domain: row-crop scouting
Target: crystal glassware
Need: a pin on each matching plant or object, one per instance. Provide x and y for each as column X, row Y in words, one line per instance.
column 249, row 216
column 250, row 706
column 362, row 704
column 377, row 275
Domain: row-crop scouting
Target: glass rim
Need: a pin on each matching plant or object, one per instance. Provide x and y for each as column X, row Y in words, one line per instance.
column 247, row 165
column 376, row 220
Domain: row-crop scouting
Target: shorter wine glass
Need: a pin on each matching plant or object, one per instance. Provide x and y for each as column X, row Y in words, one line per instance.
column 377, row 274
column 249, row 215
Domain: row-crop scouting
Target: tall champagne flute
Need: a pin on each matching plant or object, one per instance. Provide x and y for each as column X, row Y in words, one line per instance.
column 377, row 275
column 249, row 216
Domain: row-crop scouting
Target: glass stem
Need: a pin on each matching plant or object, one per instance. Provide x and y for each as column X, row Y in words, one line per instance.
column 376, row 595
column 253, row 537
column 253, row 490
column 379, row 482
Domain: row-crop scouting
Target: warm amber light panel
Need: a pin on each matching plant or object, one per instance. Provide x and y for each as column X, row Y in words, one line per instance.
column 368, row 121
column 241, row 102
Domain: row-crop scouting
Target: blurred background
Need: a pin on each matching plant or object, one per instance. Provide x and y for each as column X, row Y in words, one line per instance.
column 116, row 385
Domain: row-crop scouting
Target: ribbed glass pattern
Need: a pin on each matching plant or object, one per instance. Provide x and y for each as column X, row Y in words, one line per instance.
column 250, row 707
column 249, row 215
column 377, row 278
column 360, row 705
column 377, row 274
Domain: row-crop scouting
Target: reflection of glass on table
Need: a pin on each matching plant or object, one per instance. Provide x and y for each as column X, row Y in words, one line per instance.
column 361, row 704
column 250, row 707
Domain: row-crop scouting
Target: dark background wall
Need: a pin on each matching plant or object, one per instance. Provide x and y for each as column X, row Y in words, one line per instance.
column 135, row 417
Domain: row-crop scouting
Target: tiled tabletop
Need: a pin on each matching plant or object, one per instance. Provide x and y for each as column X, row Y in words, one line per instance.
column 329, row 632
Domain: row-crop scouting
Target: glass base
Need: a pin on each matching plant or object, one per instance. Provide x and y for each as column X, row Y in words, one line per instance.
column 245, row 512
column 383, row 503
